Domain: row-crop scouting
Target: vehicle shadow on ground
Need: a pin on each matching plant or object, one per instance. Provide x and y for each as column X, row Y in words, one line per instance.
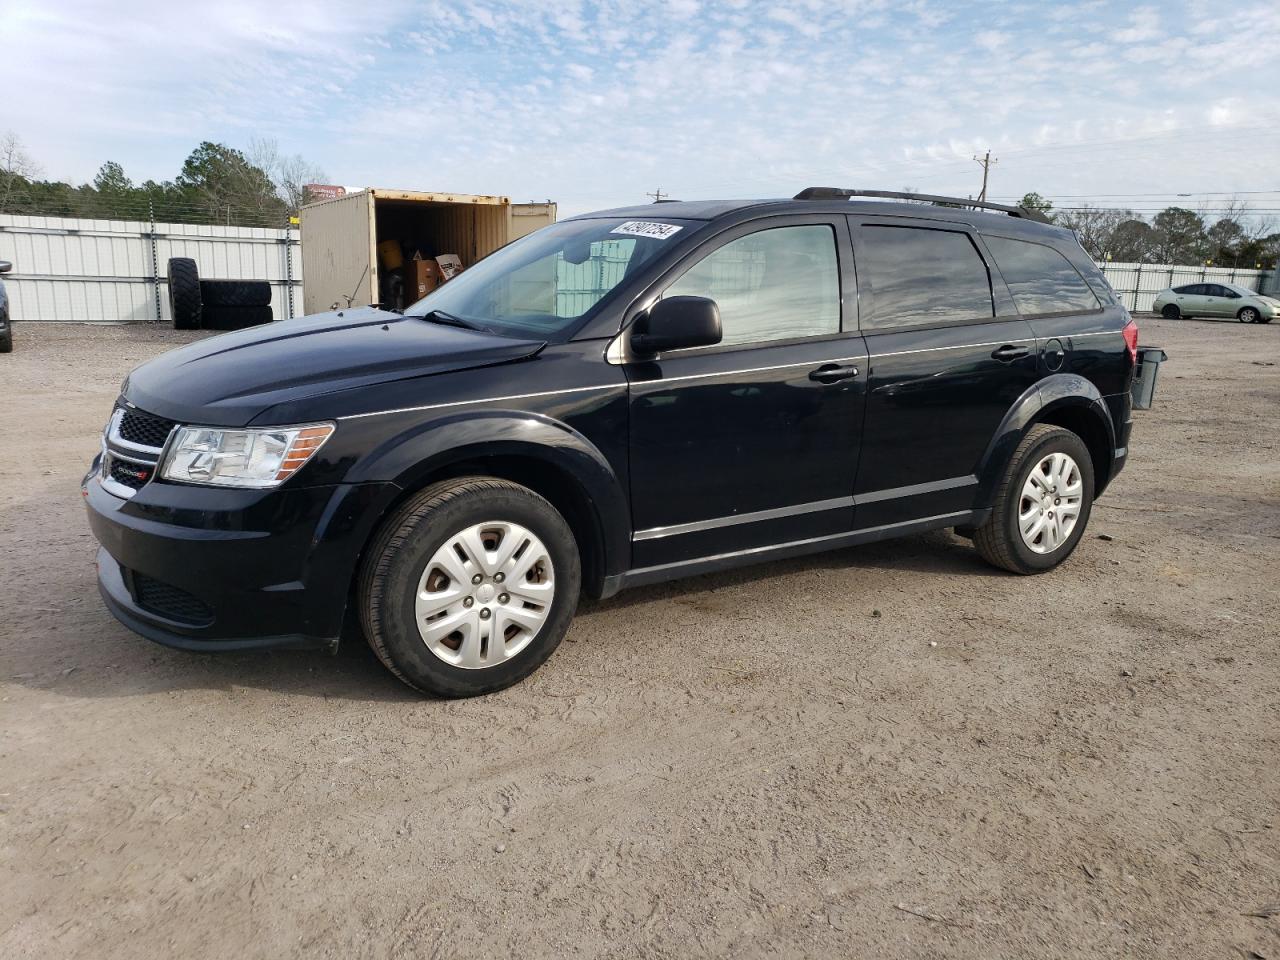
column 939, row 552
column 95, row 657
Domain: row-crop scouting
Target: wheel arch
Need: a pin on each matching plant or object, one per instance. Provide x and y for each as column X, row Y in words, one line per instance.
column 1063, row 400
column 545, row 455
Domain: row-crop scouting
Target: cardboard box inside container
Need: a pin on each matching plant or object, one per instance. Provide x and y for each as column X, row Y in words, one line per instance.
column 424, row 276
column 450, row 265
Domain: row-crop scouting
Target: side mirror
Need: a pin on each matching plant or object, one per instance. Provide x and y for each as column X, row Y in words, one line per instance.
column 5, row 266
column 677, row 323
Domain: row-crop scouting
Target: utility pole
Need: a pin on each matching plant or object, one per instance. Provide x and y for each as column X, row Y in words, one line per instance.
column 986, row 163
column 657, row 195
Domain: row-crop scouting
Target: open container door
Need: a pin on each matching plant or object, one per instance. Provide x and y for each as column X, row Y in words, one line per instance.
column 528, row 217
column 337, row 261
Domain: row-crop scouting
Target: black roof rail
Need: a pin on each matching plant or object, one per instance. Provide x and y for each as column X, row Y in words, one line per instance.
column 837, row 193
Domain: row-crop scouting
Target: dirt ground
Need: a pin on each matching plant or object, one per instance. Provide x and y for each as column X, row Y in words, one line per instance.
column 890, row 751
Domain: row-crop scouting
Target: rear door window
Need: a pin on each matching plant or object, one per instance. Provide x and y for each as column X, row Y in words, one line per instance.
column 922, row 277
column 1040, row 278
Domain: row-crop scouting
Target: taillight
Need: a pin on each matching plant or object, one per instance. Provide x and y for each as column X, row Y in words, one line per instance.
column 1130, row 332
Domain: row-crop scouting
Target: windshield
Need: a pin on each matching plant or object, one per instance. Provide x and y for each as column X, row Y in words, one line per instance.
column 545, row 284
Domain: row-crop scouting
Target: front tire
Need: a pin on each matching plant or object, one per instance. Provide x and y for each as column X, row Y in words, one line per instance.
column 1248, row 315
column 1170, row 311
column 6, row 341
column 469, row 587
column 1042, row 505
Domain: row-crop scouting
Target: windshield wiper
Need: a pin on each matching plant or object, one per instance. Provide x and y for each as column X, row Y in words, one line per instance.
column 449, row 320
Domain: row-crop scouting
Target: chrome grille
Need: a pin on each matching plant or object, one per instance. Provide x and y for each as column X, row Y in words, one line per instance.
column 131, row 450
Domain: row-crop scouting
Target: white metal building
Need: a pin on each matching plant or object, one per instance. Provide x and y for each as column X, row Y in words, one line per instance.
column 113, row 271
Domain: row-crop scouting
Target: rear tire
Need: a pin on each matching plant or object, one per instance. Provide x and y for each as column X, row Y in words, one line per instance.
column 1171, row 311
column 184, row 293
column 1001, row 540
column 6, row 341
column 413, row 585
column 1248, row 315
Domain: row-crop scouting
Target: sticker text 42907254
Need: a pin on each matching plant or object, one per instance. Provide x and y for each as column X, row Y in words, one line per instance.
column 647, row 228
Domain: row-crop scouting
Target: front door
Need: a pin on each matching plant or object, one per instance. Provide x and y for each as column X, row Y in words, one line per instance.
column 752, row 442
column 1223, row 300
column 944, row 367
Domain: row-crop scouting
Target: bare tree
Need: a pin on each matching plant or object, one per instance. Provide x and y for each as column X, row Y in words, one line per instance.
column 15, row 164
column 290, row 174
column 1253, row 226
column 1094, row 227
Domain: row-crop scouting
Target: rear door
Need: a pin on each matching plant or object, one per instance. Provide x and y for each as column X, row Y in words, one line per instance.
column 1191, row 299
column 1215, row 301
column 947, row 356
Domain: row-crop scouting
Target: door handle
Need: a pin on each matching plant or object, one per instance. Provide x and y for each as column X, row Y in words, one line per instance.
column 831, row 373
column 1009, row 353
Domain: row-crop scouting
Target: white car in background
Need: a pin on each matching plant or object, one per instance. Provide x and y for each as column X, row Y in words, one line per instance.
column 1215, row 300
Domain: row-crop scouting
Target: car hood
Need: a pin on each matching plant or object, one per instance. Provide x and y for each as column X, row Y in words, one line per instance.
column 228, row 380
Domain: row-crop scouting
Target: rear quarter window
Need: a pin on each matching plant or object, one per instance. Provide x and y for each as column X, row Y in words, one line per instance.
column 1040, row 278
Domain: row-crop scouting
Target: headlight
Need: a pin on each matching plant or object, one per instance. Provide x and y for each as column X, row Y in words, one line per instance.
column 264, row 457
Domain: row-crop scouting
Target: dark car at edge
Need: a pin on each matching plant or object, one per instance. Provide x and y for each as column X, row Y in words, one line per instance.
column 621, row 398
column 6, row 321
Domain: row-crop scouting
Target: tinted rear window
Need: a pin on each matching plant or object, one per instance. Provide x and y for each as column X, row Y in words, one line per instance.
column 1040, row 278
column 922, row 276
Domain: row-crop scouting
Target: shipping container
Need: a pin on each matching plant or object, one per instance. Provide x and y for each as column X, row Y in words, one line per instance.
column 356, row 248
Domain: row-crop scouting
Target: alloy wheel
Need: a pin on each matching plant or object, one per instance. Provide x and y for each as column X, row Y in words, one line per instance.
column 484, row 595
column 1050, row 503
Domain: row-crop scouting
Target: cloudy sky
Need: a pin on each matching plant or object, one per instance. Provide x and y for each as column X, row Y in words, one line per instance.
column 594, row 104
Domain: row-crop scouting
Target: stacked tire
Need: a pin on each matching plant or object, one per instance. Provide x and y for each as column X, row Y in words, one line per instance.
column 197, row 304
column 235, row 304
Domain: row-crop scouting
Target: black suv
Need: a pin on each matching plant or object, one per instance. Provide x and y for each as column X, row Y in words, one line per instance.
column 620, row 398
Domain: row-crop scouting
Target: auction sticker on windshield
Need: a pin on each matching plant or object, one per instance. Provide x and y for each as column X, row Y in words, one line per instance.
column 646, row 228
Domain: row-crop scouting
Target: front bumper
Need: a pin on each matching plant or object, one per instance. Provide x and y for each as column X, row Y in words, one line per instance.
column 201, row 568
